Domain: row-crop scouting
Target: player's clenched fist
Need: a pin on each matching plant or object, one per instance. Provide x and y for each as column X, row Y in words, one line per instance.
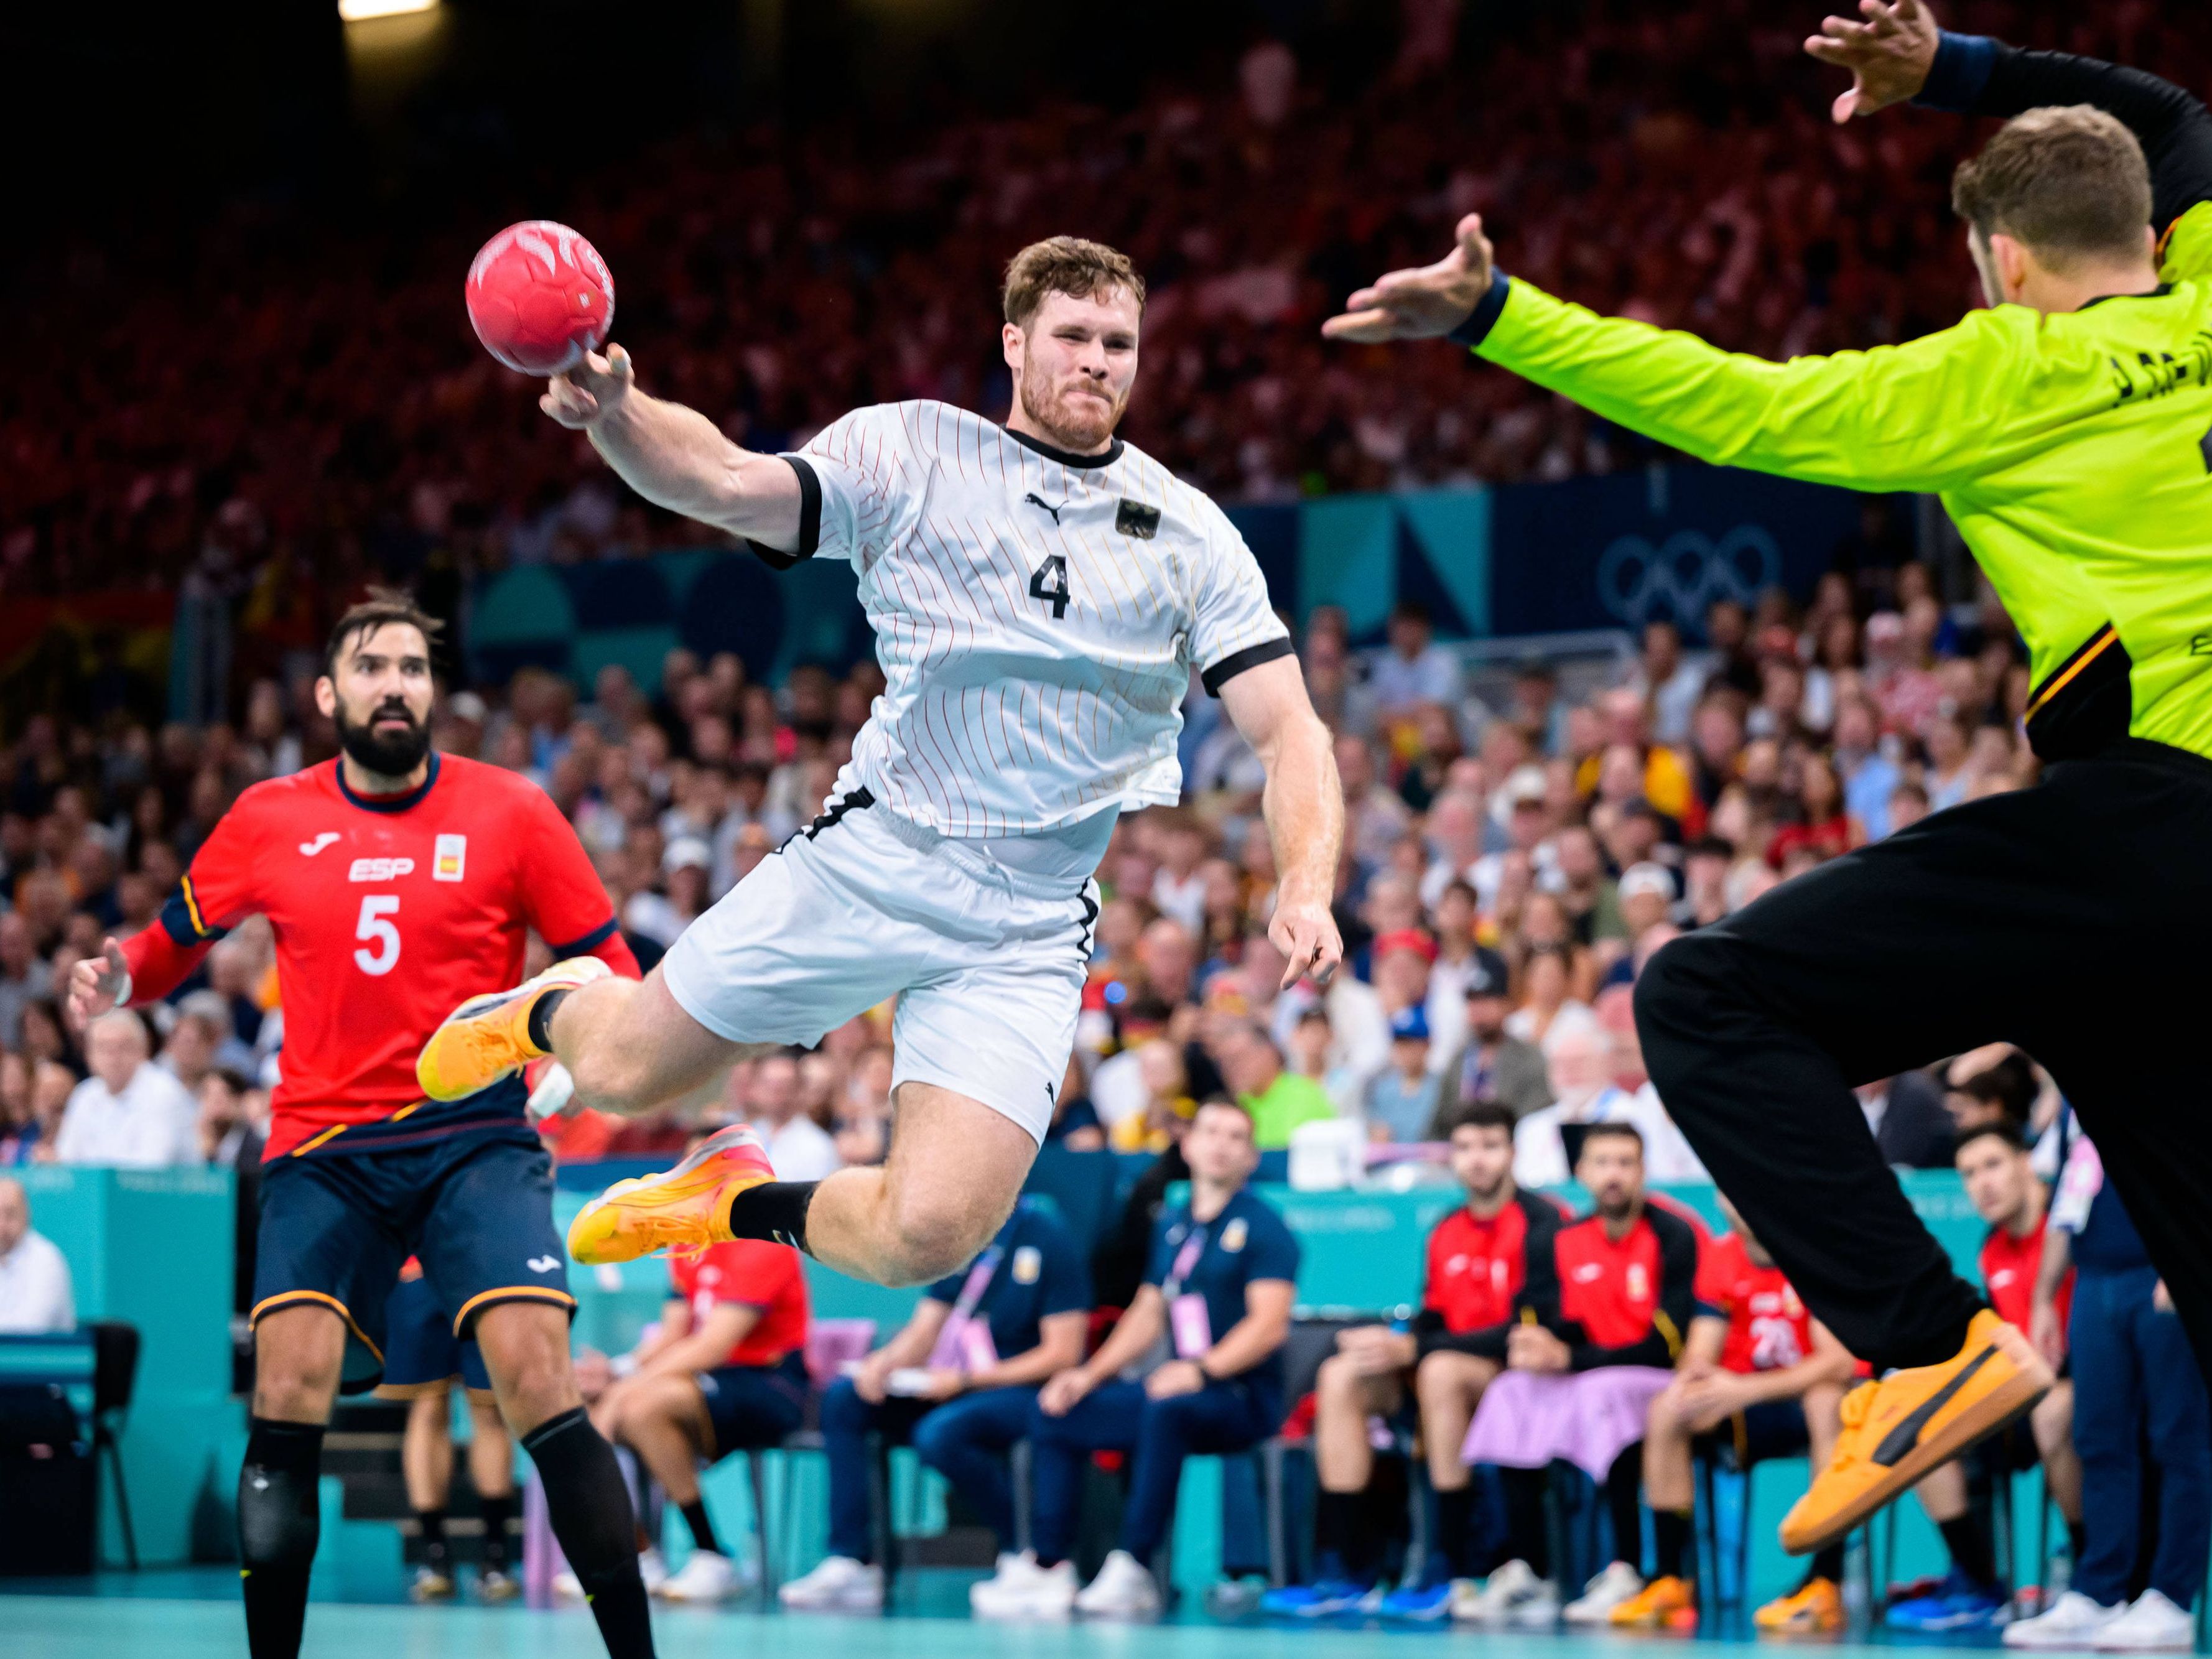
column 1305, row 932
column 590, row 391
column 98, row 984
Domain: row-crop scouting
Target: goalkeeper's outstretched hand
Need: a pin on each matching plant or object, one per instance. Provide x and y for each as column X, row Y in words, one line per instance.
column 1424, row 303
column 1888, row 54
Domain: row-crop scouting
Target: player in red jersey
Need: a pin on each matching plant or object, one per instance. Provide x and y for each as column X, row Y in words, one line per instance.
column 1760, row 1374
column 396, row 879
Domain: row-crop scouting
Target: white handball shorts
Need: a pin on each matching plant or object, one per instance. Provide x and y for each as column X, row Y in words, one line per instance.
column 988, row 961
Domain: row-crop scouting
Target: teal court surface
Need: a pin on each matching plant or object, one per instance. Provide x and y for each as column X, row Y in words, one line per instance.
column 193, row 1613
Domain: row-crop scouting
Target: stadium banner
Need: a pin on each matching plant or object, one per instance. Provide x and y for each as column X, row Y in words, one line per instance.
column 1618, row 550
column 1541, row 558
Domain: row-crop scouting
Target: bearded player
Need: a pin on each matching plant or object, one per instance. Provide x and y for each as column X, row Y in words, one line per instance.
column 1041, row 594
column 395, row 878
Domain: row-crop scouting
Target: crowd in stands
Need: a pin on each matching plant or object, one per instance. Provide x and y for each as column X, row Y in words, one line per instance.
column 1511, row 860
column 332, row 419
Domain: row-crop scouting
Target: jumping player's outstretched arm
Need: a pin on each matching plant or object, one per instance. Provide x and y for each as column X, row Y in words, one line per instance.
column 1304, row 808
column 675, row 458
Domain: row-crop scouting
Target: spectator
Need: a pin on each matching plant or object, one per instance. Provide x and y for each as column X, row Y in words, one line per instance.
column 1219, row 1288
column 1275, row 1102
column 1414, row 670
column 1911, row 1123
column 129, row 1113
column 1401, row 1103
column 24, row 977
column 799, row 1148
column 1495, row 1066
column 1754, row 1365
column 725, row 1370
column 958, row 1381
column 1489, row 1264
column 1581, row 1057
column 231, row 1111
column 1668, row 682
column 35, row 1296
column 2138, row 1395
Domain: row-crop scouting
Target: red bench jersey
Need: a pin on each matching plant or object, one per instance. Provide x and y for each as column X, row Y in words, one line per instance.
column 1769, row 1328
column 388, row 912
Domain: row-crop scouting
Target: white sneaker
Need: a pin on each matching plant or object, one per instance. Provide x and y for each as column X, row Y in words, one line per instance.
column 839, row 1582
column 1514, row 1595
column 1022, row 1589
column 2153, row 1624
column 1122, row 1589
column 1466, row 1596
column 2073, row 1621
column 1619, row 1583
column 706, row 1578
column 650, row 1567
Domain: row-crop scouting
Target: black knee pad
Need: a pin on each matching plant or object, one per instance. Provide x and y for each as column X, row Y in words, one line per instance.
column 279, row 1510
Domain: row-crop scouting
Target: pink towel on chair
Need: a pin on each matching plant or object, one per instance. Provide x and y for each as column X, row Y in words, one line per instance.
column 1528, row 1420
column 833, row 1344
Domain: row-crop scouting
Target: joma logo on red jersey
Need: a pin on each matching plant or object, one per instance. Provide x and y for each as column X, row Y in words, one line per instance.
column 379, row 869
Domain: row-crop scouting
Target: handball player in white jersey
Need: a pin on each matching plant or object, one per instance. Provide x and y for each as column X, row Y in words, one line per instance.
column 1040, row 592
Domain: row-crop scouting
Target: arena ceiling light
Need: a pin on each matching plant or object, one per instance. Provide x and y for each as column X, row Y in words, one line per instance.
column 358, row 11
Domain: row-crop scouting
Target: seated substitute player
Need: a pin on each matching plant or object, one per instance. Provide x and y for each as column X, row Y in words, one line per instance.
column 1217, row 1289
column 1040, row 593
column 725, row 1371
column 979, row 1344
column 1579, row 1392
column 2001, row 1182
column 1760, row 1373
column 1489, row 1262
column 2065, row 429
column 422, row 1360
column 395, row 877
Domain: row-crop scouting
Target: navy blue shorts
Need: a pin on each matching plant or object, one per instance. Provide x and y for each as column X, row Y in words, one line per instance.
column 421, row 1355
column 1771, row 1428
column 475, row 1208
column 754, row 1406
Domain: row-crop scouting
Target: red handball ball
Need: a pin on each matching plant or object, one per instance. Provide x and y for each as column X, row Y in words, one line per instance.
column 540, row 297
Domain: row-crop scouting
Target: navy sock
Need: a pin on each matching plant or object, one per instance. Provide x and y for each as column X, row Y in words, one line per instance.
column 497, row 1513
column 702, row 1529
column 431, row 1524
column 589, row 1507
column 1970, row 1547
column 539, row 1027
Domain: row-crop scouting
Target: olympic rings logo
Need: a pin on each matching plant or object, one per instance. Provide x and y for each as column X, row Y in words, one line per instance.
column 1685, row 574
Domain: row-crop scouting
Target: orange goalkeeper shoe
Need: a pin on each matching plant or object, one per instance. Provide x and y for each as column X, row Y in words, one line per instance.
column 1663, row 1604
column 488, row 1036
column 685, row 1208
column 1897, row 1429
column 1815, row 1607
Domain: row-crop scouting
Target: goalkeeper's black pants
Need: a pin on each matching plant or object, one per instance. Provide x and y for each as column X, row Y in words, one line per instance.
column 2074, row 919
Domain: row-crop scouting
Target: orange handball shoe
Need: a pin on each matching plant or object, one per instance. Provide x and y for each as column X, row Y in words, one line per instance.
column 1897, row 1430
column 1663, row 1604
column 488, row 1036
column 685, row 1208
column 1815, row 1608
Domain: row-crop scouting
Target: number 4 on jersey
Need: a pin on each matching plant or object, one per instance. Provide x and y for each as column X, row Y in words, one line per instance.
column 1048, row 582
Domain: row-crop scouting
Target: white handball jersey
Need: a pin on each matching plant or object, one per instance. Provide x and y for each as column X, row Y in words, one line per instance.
column 1037, row 614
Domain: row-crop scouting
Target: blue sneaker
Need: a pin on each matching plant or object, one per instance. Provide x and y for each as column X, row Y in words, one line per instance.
column 1323, row 1600
column 1957, row 1602
column 1428, row 1604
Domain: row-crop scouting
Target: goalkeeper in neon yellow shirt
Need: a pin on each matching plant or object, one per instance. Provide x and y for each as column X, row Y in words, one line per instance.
column 2068, row 430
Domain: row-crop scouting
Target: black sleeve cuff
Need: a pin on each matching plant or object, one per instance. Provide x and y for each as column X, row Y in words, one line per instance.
column 591, row 941
column 1237, row 662
column 810, row 519
column 1484, row 318
column 1960, row 71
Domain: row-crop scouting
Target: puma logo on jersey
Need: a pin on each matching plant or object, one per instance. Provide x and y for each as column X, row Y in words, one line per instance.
column 1040, row 500
column 379, row 869
column 542, row 1264
column 309, row 849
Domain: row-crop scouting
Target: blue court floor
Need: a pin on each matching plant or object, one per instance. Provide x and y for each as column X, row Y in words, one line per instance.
column 193, row 1613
